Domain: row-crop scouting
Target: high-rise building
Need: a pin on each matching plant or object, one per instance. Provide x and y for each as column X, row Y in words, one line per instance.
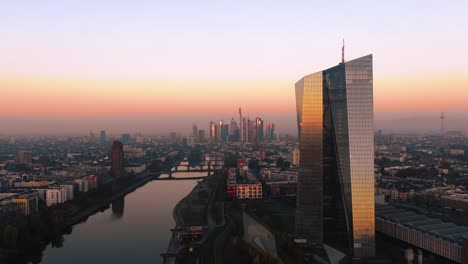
column 126, row 138
column 117, row 160
column 219, row 130
column 92, row 137
column 259, row 130
column 213, row 133
column 335, row 191
column 23, row 157
column 102, row 137
column 245, row 129
column 234, row 134
column 224, row 132
column 270, row 132
column 195, row 133
column 241, row 126
column 201, row 136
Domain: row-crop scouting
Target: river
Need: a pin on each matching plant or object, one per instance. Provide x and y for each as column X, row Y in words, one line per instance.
column 134, row 229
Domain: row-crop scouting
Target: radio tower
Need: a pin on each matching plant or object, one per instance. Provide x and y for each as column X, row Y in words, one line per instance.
column 442, row 117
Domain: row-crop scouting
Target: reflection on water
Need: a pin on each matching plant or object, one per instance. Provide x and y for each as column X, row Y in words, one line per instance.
column 118, row 207
column 140, row 235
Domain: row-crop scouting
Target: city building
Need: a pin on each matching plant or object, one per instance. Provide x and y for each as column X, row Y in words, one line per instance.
column 296, row 156
column 234, row 135
column 125, row 138
column 28, row 202
column 195, row 133
column 259, row 132
column 241, row 126
column 335, row 190
column 245, row 129
column 433, row 235
column 455, row 202
column 117, row 165
column 102, row 137
column 201, row 136
column 55, row 195
column 139, row 138
column 270, row 132
column 23, row 157
column 224, row 128
column 69, row 189
column 213, row 133
column 249, row 190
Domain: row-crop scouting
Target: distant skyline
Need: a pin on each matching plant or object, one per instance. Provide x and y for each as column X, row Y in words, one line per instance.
column 405, row 122
column 126, row 63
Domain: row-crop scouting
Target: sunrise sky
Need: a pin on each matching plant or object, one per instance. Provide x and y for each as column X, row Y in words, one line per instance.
column 83, row 60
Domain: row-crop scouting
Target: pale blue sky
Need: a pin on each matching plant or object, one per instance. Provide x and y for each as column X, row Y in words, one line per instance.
column 228, row 39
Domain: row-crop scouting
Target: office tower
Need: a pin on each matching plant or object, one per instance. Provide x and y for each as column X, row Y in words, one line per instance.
column 195, row 132
column 259, row 130
column 251, row 131
column 224, row 132
column 92, row 137
column 214, row 133
column 234, row 134
column 201, row 136
column 102, row 137
column 23, row 157
column 220, row 128
column 241, row 126
column 270, row 132
column 173, row 136
column 335, row 193
column 245, row 129
column 117, row 165
column 125, row 138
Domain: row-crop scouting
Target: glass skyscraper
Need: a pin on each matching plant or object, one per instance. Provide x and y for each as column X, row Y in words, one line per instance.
column 335, row 191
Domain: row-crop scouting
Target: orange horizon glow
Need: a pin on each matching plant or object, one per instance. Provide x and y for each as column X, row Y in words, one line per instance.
column 48, row 97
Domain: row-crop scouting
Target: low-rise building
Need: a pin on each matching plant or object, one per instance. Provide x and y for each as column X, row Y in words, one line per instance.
column 249, row 190
column 56, row 195
column 456, row 202
column 442, row 238
column 27, row 203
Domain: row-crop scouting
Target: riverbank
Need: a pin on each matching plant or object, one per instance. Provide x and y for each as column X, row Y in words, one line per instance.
column 83, row 215
column 47, row 226
column 198, row 209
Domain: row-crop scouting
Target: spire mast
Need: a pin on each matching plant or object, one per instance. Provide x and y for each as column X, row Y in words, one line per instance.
column 342, row 53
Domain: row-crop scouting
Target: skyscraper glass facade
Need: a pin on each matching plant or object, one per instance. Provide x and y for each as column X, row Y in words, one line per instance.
column 335, row 197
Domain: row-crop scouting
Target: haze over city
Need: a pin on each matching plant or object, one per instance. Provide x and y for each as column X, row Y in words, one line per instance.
column 256, row 132
column 157, row 67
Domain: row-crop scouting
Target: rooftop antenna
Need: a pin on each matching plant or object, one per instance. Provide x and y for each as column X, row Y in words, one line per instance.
column 342, row 53
column 442, row 117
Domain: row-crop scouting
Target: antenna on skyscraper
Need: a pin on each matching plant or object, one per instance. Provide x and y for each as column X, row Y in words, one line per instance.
column 342, row 53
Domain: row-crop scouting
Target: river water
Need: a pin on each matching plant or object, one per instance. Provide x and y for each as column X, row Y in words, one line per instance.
column 134, row 229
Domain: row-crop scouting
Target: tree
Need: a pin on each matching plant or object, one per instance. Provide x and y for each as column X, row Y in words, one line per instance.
column 155, row 166
column 10, row 236
column 279, row 162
